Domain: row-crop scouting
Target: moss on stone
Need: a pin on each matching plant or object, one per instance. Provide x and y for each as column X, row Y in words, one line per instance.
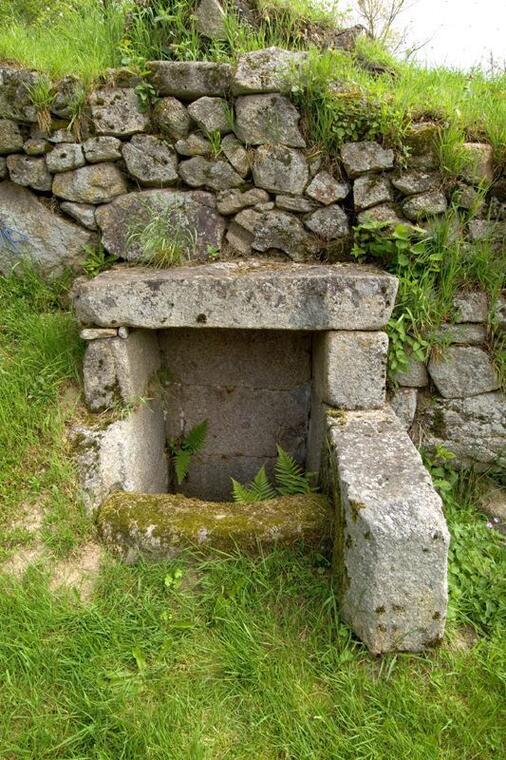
column 160, row 525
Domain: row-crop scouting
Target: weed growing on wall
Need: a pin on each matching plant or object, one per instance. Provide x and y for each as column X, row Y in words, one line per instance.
column 289, row 476
column 165, row 239
column 183, row 449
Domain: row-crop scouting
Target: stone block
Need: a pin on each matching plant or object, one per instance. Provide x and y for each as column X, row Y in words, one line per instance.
column 217, row 175
column 464, row 334
column 160, row 527
column 236, row 154
column 479, row 159
column 172, row 118
column 473, row 429
column 295, row 203
column 47, row 240
column 11, row 139
column 361, row 157
column 192, row 214
column 416, row 181
column 268, row 120
column 194, row 145
column 98, row 183
column 29, row 171
column 471, row 306
column 65, row 157
column 425, row 205
column 280, row 170
column 127, row 455
column 325, row 189
column 403, row 401
column 248, row 294
column 232, row 201
column 117, row 371
column 268, row 70
column 151, row 161
column 329, row 223
column 349, row 369
column 385, row 212
column 415, row 374
column 371, row 190
column 105, row 148
column 285, row 232
column 83, row 213
column 15, row 99
column 463, row 371
column 391, row 542
column 212, row 115
column 278, row 360
column 116, row 111
column 190, row 80
column 211, row 20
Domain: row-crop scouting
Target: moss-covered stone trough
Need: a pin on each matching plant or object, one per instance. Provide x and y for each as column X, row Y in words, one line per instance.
column 159, row 526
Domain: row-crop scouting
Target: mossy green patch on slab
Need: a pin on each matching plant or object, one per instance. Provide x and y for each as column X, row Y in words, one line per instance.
column 159, row 526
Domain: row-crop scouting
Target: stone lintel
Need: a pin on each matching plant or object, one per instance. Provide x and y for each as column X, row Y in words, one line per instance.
column 248, row 295
column 391, row 541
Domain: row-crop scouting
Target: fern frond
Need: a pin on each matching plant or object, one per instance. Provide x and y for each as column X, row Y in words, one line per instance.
column 260, row 486
column 241, row 494
column 195, row 439
column 182, row 461
column 290, row 478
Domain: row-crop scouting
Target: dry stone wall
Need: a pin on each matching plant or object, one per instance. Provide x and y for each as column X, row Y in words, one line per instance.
column 222, row 156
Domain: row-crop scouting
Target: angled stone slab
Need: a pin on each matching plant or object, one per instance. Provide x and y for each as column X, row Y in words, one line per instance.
column 391, row 541
column 248, row 294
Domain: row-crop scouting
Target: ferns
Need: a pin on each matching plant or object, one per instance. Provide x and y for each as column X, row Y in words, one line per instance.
column 183, row 452
column 290, row 479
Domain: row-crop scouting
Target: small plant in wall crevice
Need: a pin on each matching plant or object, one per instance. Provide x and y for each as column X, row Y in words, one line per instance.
column 183, row 449
column 289, row 476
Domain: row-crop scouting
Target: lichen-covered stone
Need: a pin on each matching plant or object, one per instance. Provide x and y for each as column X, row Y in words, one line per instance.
column 479, row 163
column 391, row 539
column 282, row 231
column 236, row 154
column 466, row 334
column 47, row 240
column 326, row 190
column 268, row 120
column 128, row 454
column 217, row 175
column 118, row 371
column 295, row 203
column 471, row 306
column 371, row 190
column 117, row 111
column 190, row 80
column 11, row 139
column 211, row 20
column 361, row 157
column 280, row 169
column 425, row 205
column 29, row 171
column 98, row 183
column 161, row 526
column 105, row 148
column 416, row 181
column 473, row 429
column 212, row 114
column 414, row 375
column 385, row 213
column 232, row 201
column 264, row 71
column 15, row 99
column 172, row 118
column 193, row 145
column 248, row 294
column 329, row 223
column 463, row 371
column 84, row 213
column 65, row 157
column 151, row 161
column 67, row 91
column 36, row 146
column 350, row 369
column 190, row 215
column 403, row 401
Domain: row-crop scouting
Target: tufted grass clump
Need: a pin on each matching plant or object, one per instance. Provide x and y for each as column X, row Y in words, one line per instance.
column 165, row 240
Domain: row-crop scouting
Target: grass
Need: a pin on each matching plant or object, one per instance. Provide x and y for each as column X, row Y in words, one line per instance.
column 217, row 657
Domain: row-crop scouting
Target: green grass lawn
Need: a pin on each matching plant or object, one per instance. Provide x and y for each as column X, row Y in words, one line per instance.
column 217, row 657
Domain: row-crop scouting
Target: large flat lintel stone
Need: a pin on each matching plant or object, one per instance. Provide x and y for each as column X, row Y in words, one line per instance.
column 247, row 295
column 391, row 537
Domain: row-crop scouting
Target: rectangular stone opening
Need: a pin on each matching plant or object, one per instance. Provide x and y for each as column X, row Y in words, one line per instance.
column 254, row 389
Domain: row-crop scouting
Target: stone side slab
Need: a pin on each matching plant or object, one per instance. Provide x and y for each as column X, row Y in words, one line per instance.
column 391, row 537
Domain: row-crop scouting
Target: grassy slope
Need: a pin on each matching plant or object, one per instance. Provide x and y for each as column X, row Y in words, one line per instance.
column 238, row 658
